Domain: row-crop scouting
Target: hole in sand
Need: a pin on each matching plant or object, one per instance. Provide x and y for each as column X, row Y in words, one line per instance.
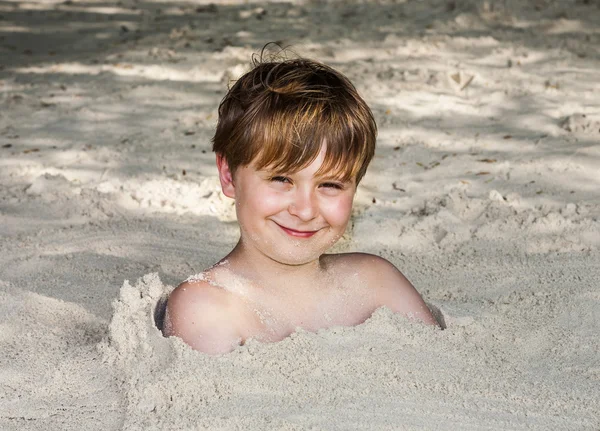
column 437, row 314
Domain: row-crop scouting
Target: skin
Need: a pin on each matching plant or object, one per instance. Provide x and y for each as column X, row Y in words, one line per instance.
column 277, row 278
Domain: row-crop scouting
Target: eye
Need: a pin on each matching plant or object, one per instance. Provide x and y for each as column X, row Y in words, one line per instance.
column 280, row 179
column 335, row 186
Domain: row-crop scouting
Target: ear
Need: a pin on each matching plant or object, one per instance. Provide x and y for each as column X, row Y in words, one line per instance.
column 225, row 176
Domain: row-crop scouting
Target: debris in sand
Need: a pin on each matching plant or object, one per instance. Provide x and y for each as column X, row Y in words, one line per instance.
column 581, row 123
column 461, row 80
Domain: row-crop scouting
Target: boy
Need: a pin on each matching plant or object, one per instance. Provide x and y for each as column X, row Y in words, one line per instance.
column 293, row 140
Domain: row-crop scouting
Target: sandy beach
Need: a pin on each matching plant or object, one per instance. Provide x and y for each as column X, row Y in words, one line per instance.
column 484, row 191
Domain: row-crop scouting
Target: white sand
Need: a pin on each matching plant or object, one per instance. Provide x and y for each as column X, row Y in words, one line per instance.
column 484, row 192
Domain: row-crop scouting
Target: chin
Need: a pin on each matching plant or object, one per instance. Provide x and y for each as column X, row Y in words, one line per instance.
column 294, row 252
column 296, row 259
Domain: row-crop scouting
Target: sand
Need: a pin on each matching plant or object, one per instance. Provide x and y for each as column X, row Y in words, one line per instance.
column 483, row 191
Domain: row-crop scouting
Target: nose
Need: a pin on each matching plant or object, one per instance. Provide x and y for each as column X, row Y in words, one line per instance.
column 304, row 205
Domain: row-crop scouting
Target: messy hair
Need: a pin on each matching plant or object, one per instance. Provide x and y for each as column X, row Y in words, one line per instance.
column 279, row 114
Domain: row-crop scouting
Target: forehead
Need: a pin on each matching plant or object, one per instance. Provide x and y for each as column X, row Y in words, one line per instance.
column 320, row 160
column 318, row 165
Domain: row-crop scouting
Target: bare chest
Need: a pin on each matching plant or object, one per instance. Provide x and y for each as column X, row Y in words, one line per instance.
column 311, row 309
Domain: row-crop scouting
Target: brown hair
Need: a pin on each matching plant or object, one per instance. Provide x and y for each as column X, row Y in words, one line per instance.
column 279, row 114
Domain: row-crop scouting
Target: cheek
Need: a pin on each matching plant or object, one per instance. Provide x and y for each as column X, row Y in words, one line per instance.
column 271, row 202
column 337, row 212
column 259, row 201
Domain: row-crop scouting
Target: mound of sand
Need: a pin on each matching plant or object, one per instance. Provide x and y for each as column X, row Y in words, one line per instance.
column 513, row 364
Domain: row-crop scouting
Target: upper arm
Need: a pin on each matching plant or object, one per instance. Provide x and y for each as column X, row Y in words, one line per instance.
column 395, row 291
column 204, row 317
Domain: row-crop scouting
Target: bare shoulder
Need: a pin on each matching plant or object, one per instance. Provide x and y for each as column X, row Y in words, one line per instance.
column 356, row 258
column 368, row 265
column 391, row 288
column 204, row 316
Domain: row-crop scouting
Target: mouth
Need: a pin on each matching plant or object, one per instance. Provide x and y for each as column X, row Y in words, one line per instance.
column 297, row 233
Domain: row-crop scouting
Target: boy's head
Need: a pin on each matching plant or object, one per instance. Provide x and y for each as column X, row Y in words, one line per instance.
column 280, row 114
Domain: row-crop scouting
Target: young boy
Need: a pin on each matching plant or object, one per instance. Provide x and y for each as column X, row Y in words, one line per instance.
column 293, row 141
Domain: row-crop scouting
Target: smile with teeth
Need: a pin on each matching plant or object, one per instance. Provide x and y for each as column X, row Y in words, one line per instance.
column 297, row 233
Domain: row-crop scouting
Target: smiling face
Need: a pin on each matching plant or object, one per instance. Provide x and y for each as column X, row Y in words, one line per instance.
column 290, row 218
